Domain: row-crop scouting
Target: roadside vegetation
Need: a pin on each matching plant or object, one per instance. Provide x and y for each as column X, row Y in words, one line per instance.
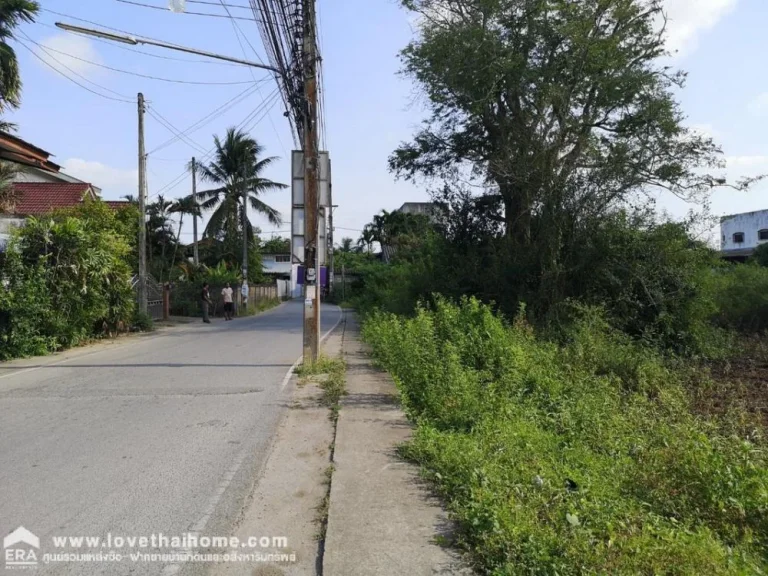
column 587, row 377
column 583, row 457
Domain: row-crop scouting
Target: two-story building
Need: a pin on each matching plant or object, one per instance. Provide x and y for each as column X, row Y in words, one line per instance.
column 39, row 185
column 740, row 234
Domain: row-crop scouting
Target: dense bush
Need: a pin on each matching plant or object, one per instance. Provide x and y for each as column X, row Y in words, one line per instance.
column 574, row 459
column 741, row 293
column 67, row 279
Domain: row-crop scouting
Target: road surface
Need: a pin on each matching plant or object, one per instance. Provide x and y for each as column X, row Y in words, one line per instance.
column 162, row 433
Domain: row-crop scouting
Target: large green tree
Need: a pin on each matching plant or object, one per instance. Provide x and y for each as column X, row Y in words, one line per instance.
column 563, row 108
column 562, row 112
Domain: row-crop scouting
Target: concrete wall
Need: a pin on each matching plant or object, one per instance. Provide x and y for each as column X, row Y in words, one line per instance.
column 30, row 174
column 271, row 266
column 749, row 224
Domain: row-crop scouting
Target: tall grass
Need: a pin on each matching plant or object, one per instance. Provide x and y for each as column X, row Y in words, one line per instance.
column 581, row 458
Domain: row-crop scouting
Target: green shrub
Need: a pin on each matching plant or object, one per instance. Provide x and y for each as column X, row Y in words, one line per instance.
column 143, row 322
column 67, row 280
column 579, row 458
column 741, row 292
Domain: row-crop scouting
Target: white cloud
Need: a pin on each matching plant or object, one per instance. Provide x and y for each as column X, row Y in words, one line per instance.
column 707, row 130
column 687, row 19
column 759, row 105
column 114, row 182
column 747, row 162
column 67, row 52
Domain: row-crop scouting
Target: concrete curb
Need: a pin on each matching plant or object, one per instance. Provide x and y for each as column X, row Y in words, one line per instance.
column 382, row 520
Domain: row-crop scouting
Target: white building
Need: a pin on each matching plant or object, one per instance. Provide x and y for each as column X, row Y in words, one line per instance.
column 740, row 234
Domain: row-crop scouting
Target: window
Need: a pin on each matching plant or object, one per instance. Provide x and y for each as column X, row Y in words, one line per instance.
column 738, row 238
column 762, row 235
column 283, row 258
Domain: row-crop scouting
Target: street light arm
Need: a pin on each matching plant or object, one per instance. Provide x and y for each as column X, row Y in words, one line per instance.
column 138, row 40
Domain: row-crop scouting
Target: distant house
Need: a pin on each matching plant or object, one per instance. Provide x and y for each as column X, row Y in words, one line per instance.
column 277, row 265
column 40, row 185
column 39, row 198
column 741, row 234
column 430, row 209
column 35, row 164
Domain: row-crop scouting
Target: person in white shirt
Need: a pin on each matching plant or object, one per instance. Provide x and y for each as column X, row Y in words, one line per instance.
column 229, row 306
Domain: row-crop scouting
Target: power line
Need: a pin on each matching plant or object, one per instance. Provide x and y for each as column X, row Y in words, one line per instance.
column 36, row 55
column 238, row 33
column 133, row 73
column 187, row 12
column 241, row 6
column 173, row 130
column 142, row 52
column 60, row 63
column 210, row 117
column 245, row 122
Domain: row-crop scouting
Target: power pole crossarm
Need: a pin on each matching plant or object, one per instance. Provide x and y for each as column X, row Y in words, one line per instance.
column 142, row 212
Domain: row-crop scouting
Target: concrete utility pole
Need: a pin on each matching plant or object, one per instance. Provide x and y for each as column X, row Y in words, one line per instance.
column 194, row 221
column 311, row 212
column 142, row 212
column 245, row 243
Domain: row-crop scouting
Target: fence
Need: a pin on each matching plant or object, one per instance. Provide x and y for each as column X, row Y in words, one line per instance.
column 186, row 298
column 154, row 296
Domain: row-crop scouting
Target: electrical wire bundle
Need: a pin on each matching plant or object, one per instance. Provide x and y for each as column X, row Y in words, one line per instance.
column 281, row 24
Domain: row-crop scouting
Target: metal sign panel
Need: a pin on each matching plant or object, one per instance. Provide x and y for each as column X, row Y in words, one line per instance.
column 297, row 209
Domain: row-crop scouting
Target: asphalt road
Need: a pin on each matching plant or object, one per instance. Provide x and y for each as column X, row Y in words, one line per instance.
column 163, row 433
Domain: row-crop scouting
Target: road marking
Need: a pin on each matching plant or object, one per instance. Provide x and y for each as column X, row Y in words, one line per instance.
column 298, row 360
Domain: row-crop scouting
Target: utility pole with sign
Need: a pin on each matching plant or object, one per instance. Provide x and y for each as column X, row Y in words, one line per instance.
column 311, row 211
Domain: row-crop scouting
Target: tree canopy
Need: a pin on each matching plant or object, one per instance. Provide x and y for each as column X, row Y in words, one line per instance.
column 557, row 106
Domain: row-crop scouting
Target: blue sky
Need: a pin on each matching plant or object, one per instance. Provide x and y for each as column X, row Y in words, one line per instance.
column 721, row 43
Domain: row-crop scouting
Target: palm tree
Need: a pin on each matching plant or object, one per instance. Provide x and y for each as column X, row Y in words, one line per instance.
column 346, row 245
column 158, row 213
column 367, row 238
column 236, row 170
column 12, row 13
column 130, row 198
column 182, row 206
column 8, row 196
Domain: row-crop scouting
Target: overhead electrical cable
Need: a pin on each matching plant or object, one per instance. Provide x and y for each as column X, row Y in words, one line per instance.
column 210, row 117
column 52, row 67
column 159, row 79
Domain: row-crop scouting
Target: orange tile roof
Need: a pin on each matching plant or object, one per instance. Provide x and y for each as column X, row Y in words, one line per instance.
column 37, row 198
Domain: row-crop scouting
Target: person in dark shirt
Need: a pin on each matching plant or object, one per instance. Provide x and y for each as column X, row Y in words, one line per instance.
column 205, row 301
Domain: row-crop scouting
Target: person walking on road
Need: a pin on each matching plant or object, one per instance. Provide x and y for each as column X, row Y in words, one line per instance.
column 205, row 302
column 229, row 306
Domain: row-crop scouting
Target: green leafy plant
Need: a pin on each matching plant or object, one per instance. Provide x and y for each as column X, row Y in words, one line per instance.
column 576, row 458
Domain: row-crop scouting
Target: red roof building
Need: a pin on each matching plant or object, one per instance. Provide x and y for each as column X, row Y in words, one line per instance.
column 38, row 198
column 117, row 204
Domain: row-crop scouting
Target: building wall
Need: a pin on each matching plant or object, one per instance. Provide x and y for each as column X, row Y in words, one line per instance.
column 271, row 265
column 749, row 224
column 30, row 174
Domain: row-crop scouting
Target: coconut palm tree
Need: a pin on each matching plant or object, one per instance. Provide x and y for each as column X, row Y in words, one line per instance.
column 8, row 196
column 346, row 245
column 186, row 205
column 159, row 231
column 236, row 171
column 12, row 13
column 367, row 238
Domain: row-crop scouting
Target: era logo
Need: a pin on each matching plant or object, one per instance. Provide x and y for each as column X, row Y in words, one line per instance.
column 20, row 546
